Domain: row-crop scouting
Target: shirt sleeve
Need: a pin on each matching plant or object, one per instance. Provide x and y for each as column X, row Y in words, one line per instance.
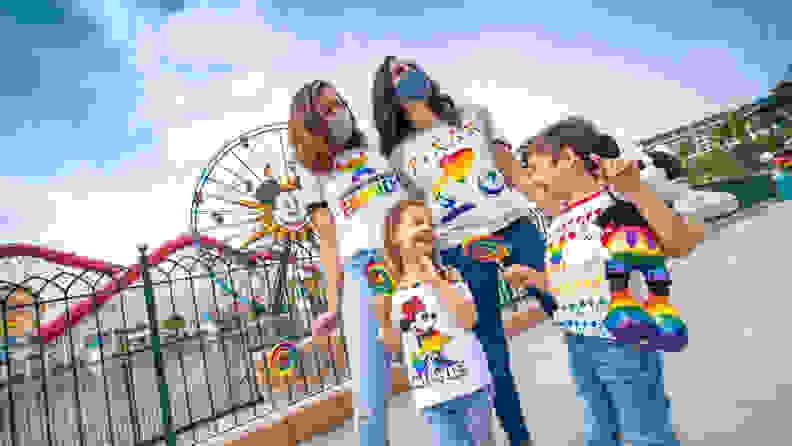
column 313, row 189
column 407, row 170
column 488, row 130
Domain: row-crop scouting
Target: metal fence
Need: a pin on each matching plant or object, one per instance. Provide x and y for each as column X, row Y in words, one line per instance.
column 100, row 382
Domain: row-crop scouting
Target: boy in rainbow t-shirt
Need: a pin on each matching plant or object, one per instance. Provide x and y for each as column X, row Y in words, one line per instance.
column 596, row 238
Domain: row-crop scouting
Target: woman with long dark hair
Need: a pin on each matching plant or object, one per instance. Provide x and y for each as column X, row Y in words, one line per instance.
column 448, row 154
column 351, row 187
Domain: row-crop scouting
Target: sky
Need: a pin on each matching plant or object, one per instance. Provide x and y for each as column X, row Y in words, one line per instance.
column 110, row 109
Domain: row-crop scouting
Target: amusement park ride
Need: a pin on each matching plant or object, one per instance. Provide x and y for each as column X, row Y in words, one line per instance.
column 241, row 201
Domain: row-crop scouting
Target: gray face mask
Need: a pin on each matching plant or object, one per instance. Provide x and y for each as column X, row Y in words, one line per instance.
column 341, row 127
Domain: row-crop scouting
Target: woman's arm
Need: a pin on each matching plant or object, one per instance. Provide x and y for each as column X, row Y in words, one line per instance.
column 523, row 320
column 463, row 308
column 390, row 335
column 328, row 255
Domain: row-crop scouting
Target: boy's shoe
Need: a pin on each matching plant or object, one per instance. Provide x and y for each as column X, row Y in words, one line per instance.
column 670, row 331
column 627, row 320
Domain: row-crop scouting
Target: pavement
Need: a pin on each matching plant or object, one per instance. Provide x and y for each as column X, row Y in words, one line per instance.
column 732, row 386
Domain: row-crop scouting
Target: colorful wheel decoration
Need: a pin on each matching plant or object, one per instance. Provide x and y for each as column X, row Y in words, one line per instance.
column 241, row 200
column 486, row 248
column 379, row 279
column 283, row 359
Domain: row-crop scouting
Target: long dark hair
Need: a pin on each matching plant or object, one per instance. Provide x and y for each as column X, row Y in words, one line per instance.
column 391, row 119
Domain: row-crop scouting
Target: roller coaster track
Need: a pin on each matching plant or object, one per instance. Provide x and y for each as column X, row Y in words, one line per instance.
column 122, row 278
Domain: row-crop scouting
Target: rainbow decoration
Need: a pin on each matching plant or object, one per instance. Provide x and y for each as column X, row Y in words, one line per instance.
column 634, row 240
column 379, row 279
column 353, row 164
column 362, row 172
column 283, row 359
column 486, row 248
column 456, row 166
column 418, row 364
column 556, row 251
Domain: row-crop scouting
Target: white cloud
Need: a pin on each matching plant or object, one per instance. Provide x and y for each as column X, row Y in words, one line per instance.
column 249, row 86
column 106, row 215
column 515, row 111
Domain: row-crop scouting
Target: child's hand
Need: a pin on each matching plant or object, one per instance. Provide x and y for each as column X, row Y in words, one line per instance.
column 623, row 174
column 390, row 338
column 523, row 320
column 522, row 276
column 428, row 272
column 324, row 324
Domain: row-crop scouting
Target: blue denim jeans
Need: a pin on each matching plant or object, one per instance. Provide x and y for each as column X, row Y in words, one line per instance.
column 526, row 246
column 622, row 389
column 369, row 362
column 463, row 421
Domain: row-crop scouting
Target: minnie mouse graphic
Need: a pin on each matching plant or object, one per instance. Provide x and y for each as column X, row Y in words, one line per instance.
column 420, row 322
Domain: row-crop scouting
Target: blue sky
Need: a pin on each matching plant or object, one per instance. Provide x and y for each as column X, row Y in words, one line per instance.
column 107, row 102
column 72, row 92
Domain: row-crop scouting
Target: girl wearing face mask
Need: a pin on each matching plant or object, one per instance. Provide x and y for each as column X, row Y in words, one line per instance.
column 430, row 318
column 448, row 154
column 352, row 187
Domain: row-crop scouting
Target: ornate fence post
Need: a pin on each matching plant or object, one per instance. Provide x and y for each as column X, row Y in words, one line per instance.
column 159, row 365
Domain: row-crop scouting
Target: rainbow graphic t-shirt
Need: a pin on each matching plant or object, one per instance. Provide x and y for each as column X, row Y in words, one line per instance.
column 575, row 259
column 359, row 192
column 454, row 168
column 443, row 361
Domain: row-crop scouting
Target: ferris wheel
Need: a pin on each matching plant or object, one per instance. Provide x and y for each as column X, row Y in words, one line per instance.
column 249, row 197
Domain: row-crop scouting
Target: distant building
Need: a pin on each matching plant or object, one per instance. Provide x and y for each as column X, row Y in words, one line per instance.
column 766, row 115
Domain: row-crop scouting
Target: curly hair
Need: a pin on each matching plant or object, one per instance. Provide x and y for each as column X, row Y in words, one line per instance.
column 312, row 149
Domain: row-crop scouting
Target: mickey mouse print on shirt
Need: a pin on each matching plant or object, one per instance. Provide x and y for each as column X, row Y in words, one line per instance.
column 421, row 323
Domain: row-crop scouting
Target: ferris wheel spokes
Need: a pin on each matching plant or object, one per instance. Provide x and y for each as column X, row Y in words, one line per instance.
column 234, row 188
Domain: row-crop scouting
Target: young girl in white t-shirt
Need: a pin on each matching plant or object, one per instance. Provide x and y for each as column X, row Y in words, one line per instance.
column 430, row 318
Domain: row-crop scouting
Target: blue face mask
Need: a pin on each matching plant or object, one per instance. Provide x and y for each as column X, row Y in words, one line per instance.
column 414, row 85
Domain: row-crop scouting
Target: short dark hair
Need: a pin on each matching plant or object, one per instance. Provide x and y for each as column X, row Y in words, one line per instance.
column 389, row 117
column 581, row 135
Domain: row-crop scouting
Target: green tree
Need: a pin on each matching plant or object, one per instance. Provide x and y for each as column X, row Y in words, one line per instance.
column 684, row 153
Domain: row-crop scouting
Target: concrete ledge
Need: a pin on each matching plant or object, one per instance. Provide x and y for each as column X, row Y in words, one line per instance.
column 317, row 416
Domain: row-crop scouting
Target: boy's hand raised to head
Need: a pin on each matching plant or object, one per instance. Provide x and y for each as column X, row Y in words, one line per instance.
column 623, row 174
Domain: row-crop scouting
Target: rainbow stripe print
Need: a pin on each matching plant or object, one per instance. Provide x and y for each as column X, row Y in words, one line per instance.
column 363, row 171
column 632, row 241
column 379, row 279
column 283, row 359
column 353, row 164
column 486, row 248
column 556, row 251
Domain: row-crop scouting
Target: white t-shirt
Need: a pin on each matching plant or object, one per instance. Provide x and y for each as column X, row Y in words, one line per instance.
column 577, row 252
column 455, row 169
column 359, row 192
column 444, row 361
